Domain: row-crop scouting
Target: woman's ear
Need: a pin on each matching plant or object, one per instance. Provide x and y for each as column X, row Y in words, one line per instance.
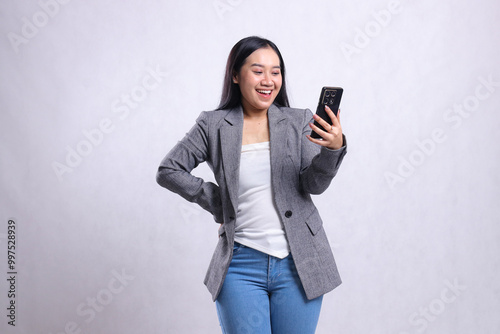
column 235, row 78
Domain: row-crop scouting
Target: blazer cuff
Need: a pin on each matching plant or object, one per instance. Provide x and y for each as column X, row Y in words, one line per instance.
column 332, row 158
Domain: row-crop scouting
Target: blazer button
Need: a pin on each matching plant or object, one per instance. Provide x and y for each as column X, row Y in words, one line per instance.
column 288, row 214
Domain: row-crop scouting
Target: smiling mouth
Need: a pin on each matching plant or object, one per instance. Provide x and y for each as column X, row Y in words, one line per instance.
column 264, row 92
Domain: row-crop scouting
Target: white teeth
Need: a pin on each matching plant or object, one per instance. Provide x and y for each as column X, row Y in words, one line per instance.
column 264, row 91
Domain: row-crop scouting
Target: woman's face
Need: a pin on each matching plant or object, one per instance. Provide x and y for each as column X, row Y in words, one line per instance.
column 259, row 80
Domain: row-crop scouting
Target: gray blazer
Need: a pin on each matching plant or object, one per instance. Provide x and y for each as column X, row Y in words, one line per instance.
column 298, row 168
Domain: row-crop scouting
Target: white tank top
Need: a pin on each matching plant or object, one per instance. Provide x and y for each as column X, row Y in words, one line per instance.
column 258, row 225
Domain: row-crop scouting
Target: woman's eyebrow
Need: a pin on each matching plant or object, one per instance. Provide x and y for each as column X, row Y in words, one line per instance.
column 260, row 65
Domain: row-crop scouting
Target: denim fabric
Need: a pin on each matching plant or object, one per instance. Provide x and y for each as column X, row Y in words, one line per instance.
column 262, row 294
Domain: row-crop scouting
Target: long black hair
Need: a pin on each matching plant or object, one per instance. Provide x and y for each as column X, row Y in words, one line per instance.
column 231, row 94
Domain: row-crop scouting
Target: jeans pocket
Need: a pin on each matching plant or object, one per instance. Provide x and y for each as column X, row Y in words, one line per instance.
column 237, row 247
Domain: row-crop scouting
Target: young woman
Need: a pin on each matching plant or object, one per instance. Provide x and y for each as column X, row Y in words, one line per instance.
column 273, row 262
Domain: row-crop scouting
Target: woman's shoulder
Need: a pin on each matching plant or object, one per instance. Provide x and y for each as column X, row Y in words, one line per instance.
column 217, row 115
column 214, row 119
column 214, row 115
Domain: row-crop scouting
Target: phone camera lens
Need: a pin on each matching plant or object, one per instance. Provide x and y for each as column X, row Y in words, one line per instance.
column 325, row 100
column 327, row 94
column 331, row 101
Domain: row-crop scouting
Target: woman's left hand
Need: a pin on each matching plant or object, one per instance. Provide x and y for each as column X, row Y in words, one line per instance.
column 332, row 138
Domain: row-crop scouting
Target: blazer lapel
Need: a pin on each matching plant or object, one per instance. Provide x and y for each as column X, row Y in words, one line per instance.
column 231, row 138
column 278, row 129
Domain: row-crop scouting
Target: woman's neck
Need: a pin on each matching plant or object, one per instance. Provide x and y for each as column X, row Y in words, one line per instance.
column 254, row 115
column 251, row 112
column 255, row 127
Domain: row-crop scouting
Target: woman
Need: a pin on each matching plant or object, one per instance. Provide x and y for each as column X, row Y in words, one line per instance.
column 272, row 263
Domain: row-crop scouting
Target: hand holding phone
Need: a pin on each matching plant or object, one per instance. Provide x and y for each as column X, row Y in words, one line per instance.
column 326, row 120
column 330, row 96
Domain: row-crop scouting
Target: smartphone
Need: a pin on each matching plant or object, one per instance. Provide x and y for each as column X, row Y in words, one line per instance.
column 330, row 96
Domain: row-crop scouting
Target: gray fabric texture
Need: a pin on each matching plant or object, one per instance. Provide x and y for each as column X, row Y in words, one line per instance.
column 299, row 168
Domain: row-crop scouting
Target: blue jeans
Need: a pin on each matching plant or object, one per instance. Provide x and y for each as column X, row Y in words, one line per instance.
column 262, row 294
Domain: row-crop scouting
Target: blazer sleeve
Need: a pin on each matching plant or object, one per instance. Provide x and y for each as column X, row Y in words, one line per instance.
column 319, row 164
column 175, row 169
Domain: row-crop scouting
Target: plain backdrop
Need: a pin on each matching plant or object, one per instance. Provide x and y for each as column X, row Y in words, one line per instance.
column 93, row 94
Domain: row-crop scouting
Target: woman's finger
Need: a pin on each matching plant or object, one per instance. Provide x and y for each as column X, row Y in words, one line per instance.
column 320, row 132
column 322, row 122
column 317, row 141
column 335, row 119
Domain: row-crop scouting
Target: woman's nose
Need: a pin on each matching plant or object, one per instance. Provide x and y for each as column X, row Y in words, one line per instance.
column 267, row 81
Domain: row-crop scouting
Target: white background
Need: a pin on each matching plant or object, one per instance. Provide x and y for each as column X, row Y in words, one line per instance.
column 408, row 215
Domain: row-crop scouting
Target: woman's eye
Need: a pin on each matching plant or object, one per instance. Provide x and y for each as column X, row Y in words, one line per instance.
column 257, row 72
column 276, row 73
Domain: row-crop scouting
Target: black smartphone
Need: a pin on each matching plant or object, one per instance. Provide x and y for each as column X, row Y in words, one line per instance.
column 330, row 96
